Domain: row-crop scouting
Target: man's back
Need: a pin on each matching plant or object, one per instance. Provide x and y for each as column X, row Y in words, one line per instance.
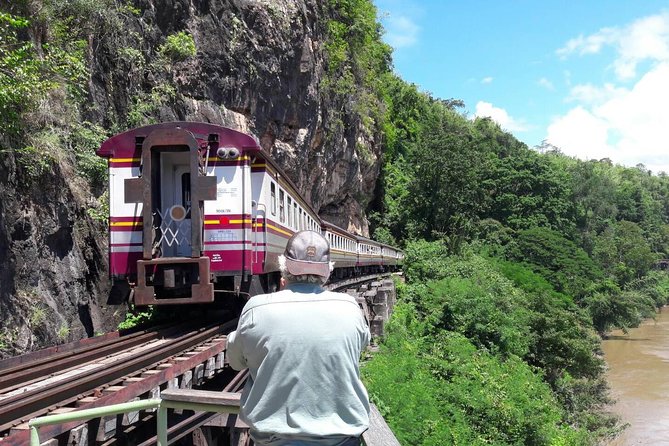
column 302, row 347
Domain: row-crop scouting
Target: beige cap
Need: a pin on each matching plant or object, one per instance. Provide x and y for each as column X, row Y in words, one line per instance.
column 308, row 252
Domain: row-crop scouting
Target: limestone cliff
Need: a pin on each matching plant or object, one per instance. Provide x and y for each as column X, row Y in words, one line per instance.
column 259, row 66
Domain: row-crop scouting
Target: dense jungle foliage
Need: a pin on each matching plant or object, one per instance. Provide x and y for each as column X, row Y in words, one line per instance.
column 517, row 259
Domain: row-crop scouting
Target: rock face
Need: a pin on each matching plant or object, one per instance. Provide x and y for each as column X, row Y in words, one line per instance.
column 52, row 262
column 259, row 68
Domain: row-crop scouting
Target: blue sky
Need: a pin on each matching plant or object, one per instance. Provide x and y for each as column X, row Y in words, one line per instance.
column 589, row 76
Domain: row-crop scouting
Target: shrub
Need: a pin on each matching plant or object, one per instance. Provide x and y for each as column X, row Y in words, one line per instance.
column 441, row 390
column 178, row 47
column 136, row 318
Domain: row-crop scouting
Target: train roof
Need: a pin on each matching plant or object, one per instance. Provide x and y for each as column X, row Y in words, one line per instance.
column 286, row 179
column 361, row 238
column 123, row 144
column 329, row 225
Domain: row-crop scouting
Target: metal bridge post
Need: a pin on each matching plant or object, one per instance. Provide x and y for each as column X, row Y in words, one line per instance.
column 162, row 426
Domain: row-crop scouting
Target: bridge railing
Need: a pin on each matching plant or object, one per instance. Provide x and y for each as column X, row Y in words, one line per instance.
column 378, row 434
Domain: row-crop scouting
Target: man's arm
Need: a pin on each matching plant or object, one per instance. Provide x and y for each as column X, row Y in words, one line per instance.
column 366, row 334
column 234, row 351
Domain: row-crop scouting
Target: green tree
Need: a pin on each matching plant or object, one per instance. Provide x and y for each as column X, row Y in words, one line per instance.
column 564, row 264
column 22, row 73
column 525, row 189
column 444, row 194
column 624, row 252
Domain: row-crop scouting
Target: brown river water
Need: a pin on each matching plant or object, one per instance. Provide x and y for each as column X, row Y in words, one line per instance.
column 639, row 379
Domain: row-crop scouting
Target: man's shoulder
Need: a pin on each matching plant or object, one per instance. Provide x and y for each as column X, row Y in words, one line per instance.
column 290, row 296
column 340, row 296
column 257, row 300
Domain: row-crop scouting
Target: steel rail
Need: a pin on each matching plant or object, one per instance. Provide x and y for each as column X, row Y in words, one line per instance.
column 49, row 352
column 27, row 373
column 129, row 391
column 18, row 407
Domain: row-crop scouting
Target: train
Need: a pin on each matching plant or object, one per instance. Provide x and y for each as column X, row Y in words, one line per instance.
column 198, row 212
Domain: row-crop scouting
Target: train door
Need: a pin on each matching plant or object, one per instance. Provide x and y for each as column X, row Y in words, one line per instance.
column 175, row 205
column 258, row 220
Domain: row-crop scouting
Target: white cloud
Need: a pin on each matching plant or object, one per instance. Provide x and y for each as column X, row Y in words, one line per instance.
column 487, row 80
column 644, row 39
column 546, row 84
column 401, row 31
column 591, row 94
column 580, row 133
column 589, row 44
column 500, row 116
column 628, row 126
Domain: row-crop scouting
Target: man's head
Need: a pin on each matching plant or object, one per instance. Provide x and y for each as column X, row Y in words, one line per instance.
column 307, row 258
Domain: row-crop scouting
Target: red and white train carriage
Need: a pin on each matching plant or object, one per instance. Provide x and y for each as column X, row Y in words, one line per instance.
column 197, row 208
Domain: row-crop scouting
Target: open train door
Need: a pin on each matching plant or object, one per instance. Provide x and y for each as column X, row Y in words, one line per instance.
column 259, row 236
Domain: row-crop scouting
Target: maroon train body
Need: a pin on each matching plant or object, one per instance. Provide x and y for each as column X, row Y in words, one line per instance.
column 198, row 210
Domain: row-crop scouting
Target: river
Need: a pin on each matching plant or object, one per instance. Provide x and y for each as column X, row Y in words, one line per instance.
column 639, row 379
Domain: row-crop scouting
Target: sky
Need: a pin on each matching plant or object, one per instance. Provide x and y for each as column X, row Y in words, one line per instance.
column 588, row 76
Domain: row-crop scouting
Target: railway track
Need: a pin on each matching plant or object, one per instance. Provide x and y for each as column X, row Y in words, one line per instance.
column 117, row 367
column 112, row 370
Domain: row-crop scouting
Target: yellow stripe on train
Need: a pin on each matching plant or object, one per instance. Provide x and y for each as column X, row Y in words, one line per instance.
column 126, row 223
column 124, row 160
column 239, row 158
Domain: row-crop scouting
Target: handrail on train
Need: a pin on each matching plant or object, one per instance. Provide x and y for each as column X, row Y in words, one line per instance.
column 378, row 434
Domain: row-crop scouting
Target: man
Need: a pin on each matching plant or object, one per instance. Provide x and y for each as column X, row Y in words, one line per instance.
column 302, row 346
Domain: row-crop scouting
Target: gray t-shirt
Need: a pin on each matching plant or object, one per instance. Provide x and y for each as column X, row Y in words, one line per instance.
column 302, row 346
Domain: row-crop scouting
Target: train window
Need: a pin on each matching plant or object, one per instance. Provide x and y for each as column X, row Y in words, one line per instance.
column 282, row 207
column 185, row 190
column 290, row 211
column 295, row 215
column 273, row 198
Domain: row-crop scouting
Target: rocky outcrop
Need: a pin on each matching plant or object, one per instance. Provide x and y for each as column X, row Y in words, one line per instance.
column 52, row 261
column 259, row 68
